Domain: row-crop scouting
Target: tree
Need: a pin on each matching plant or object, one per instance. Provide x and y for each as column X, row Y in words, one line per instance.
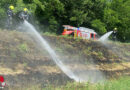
column 101, row 15
column 110, row 18
column 99, row 26
column 122, row 8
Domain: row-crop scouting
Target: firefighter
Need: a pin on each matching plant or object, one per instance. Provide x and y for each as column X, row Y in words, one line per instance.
column 2, row 83
column 24, row 14
column 114, row 34
column 10, row 16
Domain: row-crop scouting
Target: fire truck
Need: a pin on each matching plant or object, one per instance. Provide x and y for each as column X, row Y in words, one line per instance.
column 82, row 32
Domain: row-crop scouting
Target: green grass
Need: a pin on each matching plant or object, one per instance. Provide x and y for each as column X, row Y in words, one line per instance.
column 48, row 34
column 119, row 84
column 100, row 54
column 122, row 83
column 23, row 47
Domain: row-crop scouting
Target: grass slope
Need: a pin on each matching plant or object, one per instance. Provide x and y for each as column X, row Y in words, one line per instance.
column 24, row 64
column 121, row 83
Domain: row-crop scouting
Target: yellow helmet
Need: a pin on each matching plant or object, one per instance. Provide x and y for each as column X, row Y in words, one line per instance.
column 25, row 9
column 115, row 28
column 11, row 7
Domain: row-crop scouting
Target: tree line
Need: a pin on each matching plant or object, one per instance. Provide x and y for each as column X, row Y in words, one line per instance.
column 100, row 15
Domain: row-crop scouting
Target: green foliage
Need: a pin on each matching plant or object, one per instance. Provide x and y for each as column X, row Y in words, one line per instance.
column 23, row 47
column 53, row 24
column 2, row 13
column 49, row 34
column 99, row 26
column 100, row 55
column 110, row 17
column 117, row 84
column 100, row 15
column 79, row 17
column 88, row 51
column 39, row 4
column 19, row 6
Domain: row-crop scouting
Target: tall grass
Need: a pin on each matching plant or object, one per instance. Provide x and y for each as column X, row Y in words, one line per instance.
column 122, row 83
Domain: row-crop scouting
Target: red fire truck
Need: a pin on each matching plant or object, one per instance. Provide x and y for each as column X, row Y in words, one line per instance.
column 82, row 32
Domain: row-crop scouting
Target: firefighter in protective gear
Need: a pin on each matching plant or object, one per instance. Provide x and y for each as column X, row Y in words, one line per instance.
column 2, row 83
column 10, row 16
column 24, row 14
column 114, row 34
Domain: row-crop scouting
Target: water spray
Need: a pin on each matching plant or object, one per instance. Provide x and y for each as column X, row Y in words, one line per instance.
column 77, row 75
column 104, row 38
column 52, row 53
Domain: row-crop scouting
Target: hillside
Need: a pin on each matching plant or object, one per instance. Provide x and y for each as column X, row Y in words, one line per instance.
column 23, row 62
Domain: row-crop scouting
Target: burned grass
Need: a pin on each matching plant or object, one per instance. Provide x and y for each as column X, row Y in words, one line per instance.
column 23, row 63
